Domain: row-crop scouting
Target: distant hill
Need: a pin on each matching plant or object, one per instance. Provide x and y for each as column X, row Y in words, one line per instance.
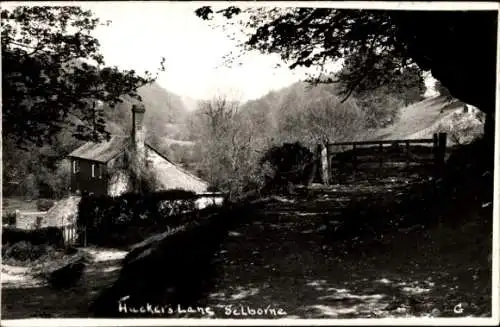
column 296, row 95
column 418, row 120
column 164, row 119
column 432, row 115
column 276, row 106
column 418, row 117
column 190, row 104
column 162, row 108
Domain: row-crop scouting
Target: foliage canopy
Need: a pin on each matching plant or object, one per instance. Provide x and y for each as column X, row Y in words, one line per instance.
column 458, row 47
column 54, row 76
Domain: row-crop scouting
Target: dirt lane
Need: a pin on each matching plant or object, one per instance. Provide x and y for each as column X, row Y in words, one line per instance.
column 288, row 257
column 26, row 296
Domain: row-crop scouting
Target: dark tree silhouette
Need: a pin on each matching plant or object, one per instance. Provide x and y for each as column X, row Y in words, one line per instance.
column 54, row 77
column 381, row 101
column 443, row 90
column 458, row 47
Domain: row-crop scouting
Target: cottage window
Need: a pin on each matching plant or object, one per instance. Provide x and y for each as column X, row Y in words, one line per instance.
column 100, row 170
column 93, row 170
column 76, row 166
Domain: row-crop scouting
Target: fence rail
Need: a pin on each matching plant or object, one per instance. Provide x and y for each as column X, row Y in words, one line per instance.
column 361, row 143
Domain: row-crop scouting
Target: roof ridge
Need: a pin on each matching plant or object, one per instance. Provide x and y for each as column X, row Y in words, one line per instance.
column 173, row 163
column 96, row 151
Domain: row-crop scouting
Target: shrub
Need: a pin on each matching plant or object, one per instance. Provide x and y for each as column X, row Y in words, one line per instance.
column 44, row 204
column 103, row 215
column 23, row 251
column 289, row 163
column 9, row 218
column 174, row 207
column 472, row 165
column 212, row 188
column 47, row 235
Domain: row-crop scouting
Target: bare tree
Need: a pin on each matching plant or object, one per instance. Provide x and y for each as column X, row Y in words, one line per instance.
column 228, row 148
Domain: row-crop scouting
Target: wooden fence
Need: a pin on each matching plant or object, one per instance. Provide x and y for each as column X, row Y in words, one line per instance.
column 30, row 220
column 352, row 155
column 69, row 234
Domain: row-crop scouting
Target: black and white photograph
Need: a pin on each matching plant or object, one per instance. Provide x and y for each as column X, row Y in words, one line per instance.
column 249, row 162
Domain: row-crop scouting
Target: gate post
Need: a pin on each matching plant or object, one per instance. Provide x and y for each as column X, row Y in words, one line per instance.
column 354, row 160
column 17, row 217
column 380, row 156
column 441, row 149
column 407, row 154
column 325, row 172
column 435, row 144
column 316, row 164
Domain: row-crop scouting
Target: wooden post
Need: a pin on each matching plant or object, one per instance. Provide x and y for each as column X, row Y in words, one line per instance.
column 441, row 148
column 354, row 163
column 407, row 154
column 316, row 161
column 435, row 145
column 85, row 236
column 17, row 218
column 330, row 166
column 325, row 173
column 381, row 149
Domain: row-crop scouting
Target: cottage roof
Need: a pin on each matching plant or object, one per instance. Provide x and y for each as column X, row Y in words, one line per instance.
column 169, row 174
column 172, row 175
column 103, row 151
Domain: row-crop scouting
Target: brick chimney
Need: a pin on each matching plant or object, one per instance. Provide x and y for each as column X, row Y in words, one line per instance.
column 138, row 136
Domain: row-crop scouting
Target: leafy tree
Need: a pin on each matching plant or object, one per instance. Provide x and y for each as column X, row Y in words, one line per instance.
column 54, row 76
column 381, row 103
column 38, row 168
column 379, row 43
column 381, row 108
column 307, row 37
column 443, row 90
column 320, row 120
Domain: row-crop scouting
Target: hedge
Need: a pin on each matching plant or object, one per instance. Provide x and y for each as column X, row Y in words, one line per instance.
column 47, row 235
column 101, row 217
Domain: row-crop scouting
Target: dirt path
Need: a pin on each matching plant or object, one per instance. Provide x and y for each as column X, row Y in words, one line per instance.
column 289, row 258
column 25, row 296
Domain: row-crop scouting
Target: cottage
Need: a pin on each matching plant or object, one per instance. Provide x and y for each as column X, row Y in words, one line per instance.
column 105, row 167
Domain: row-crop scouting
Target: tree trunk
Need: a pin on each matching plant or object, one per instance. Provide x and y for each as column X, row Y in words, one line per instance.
column 489, row 135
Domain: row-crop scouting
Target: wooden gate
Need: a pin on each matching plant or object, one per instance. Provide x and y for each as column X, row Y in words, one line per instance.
column 69, row 234
column 357, row 156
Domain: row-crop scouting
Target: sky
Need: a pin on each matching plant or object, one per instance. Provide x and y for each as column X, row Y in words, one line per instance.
column 141, row 33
